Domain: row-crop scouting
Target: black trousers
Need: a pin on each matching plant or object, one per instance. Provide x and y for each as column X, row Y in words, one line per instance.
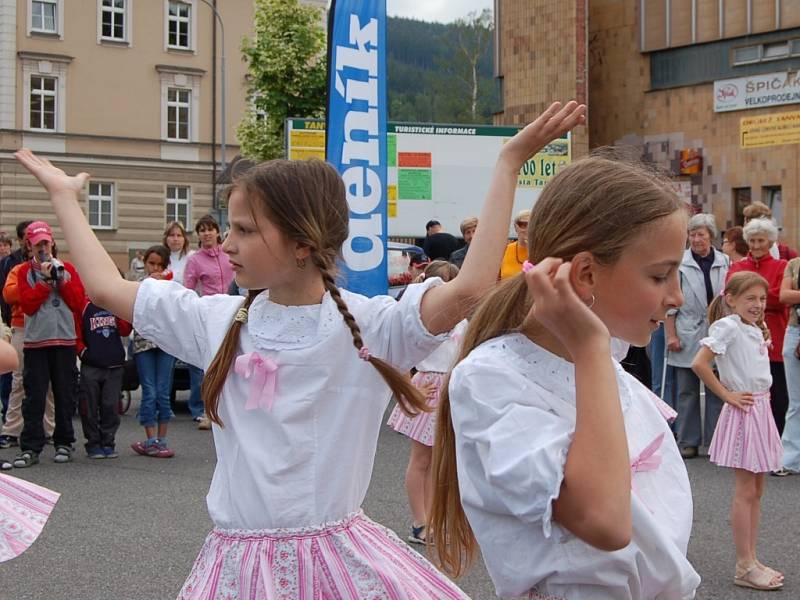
column 99, row 404
column 54, row 366
column 778, row 394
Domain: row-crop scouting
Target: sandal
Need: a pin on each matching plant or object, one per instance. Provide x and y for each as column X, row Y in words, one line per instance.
column 26, row 459
column 417, row 535
column 774, row 572
column 757, row 578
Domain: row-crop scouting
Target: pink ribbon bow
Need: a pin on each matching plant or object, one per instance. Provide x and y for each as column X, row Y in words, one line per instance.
column 261, row 373
column 764, row 347
column 527, row 266
column 647, row 460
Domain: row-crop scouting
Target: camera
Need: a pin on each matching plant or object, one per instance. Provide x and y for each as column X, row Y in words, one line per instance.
column 56, row 266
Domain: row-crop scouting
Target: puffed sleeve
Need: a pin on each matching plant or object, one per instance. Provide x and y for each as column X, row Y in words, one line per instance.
column 511, row 446
column 720, row 334
column 182, row 323
column 394, row 330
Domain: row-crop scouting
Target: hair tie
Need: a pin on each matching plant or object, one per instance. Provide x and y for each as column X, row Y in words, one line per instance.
column 422, row 276
column 722, row 294
column 527, row 266
column 363, row 353
column 241, row 315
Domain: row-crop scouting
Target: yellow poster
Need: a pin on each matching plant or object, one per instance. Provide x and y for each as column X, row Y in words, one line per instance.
column 770, row 130
column 540, row 169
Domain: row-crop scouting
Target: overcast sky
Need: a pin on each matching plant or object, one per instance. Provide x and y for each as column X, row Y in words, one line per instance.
column 443, row 11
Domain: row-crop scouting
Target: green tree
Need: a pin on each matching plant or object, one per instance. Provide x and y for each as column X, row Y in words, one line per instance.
column 286, row 74
column 471, row 40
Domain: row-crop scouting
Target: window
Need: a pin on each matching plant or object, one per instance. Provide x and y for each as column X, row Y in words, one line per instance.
column 741, row 198
column 178, row 204
column 178, row 25
column 178, row 113
column 794, row 47
column 43, row 103
column 771, row 196
column 112, row 20
column 775, row 51
column 746, row 54
column 44, row 16
column 101, row 205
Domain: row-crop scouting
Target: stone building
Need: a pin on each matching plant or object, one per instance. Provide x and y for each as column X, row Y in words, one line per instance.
column 708, row 89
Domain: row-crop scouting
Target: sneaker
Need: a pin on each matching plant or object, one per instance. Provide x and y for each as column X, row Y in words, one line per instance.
column 63, row 454
column 689, row 452
column 7, row 441
column 6, row 465
column 417, row 535
column 198, row 418
column 95, row 452
column 25, row 459
column 156, row 450
column 110, row 452
column 204, row 424
column 782, row 472
column 162, row 451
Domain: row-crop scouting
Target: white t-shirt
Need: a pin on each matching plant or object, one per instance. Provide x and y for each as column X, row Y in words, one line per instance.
column 513, row 411
column 444, row 357
column 177, row 264
column 308, row 460
column 742, row 355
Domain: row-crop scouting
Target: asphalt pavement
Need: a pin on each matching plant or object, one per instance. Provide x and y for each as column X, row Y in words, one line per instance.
column 130, row 528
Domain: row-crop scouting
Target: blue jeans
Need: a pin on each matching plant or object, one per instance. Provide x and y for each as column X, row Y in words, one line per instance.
column 196, row 406
column 791, row 430
column 658, row 349
column 155, row 376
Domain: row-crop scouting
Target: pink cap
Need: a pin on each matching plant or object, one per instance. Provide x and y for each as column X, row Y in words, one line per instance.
column 38, row 231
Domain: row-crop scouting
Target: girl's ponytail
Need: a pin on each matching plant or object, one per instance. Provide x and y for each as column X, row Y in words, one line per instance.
column 217, row 372
column 718, row 308
column 409, row 398
column 501, row 312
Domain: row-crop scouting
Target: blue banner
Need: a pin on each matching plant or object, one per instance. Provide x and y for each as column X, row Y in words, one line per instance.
column 356, row 135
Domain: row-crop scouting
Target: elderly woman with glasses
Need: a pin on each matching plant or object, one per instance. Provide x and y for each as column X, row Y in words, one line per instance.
column 702, row 273
column 761, row 235
column 517, row 251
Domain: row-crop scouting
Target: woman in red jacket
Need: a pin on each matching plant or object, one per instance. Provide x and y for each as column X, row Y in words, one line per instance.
column 760, row 235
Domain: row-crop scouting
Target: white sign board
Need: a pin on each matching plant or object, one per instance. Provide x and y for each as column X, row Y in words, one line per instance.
column 757, row 91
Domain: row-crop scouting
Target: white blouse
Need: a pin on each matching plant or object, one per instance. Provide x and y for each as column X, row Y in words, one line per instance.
column 308, row 459
column 742, row 355
column 444, row 357
column 513, row 411
column 177, row 264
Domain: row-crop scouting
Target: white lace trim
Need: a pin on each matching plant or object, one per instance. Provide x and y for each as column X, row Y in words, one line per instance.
column 277, row 327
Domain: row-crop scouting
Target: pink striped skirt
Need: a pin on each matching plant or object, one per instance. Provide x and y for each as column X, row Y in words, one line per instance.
column 747, row 439
column 348, row 559
column 24, row 509
column 422, row 426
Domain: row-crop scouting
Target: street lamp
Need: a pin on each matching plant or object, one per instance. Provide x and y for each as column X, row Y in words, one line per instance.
column 222, row 93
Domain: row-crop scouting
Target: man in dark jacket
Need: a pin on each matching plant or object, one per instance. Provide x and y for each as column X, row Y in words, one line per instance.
column 9, row 262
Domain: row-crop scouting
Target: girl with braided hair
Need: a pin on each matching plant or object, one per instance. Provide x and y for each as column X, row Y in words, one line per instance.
column 298, row 378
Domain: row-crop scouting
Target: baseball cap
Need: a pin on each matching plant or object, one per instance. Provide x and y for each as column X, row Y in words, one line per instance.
column 38, row 231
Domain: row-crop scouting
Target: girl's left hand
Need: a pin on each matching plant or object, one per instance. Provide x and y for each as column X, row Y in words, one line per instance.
column 551, row 124
column 427, row 390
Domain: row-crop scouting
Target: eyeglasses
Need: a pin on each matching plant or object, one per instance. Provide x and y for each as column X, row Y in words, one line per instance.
column 521, row 223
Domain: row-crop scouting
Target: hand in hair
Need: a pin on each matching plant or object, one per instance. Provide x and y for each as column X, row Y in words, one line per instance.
column 427, row 389
column 98, row 272
column 561, row 311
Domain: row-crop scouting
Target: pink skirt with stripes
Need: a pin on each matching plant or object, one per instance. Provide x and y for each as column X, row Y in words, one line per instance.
column 349, row 559
column 423, row 426
column 24, row 509
column 747, row 439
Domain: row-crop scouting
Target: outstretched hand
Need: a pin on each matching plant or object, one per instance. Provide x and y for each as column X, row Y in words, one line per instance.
column 558, row 308
column 53, row 179
column 551, row 124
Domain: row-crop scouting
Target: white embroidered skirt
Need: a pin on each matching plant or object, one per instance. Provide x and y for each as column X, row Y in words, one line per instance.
column 24, row 509
column 349, row 559
column 421, row 427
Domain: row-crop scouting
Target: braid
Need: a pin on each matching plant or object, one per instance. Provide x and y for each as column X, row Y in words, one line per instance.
column 217, row 372
column 408, row 396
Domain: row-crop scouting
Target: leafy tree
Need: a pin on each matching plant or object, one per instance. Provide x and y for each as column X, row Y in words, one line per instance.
column 471, row 39
column 286, row 74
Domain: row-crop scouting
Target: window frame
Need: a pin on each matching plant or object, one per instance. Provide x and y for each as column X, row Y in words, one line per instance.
column 177, row 202
column 101, row 198
column 758, row 47
column 191, row 29
column 43, row 93
column 126, row 23
column 58, row 19
column 178, row 104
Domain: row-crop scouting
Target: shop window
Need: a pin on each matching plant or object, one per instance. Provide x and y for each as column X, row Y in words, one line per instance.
column 771, row 196
column 741, row 198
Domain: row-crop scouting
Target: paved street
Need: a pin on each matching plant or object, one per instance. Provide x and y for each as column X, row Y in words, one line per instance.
column 130, row 528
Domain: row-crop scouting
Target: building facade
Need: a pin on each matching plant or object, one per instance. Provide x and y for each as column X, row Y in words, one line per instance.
column 128, row 91
column 707, row 89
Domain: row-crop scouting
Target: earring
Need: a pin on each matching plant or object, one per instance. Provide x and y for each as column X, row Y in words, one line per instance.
column 301, row 263
column 591, row 302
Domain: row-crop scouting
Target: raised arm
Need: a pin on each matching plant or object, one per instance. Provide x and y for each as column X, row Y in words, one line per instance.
column 98, row 272
column 443, row 307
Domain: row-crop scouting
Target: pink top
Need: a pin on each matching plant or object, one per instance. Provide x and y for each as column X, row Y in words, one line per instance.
column 211, row 268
